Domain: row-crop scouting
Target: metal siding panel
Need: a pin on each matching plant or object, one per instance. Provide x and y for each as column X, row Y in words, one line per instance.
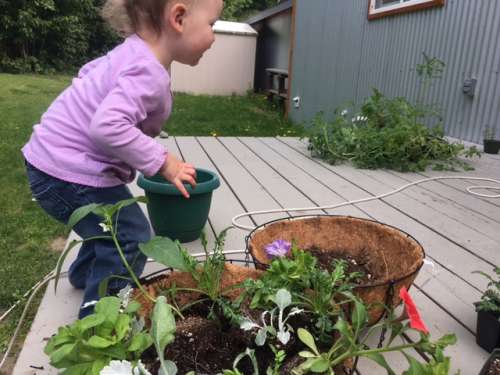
column 361, row 54
column 451, row 51
column 460, row 103
column 485, row 69
column 300, row 56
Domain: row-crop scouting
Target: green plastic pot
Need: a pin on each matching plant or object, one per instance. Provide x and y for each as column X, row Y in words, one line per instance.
column 171, row 214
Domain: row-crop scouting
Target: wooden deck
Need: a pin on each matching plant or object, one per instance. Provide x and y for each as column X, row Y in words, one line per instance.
column 460, row 232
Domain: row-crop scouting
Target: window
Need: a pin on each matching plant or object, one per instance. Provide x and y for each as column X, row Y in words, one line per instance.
column 382, row 8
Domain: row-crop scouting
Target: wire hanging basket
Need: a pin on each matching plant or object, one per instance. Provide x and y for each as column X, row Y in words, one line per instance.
column 393, row 256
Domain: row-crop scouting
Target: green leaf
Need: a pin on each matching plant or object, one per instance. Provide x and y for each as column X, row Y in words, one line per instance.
column 90, row 321
column 168, row 368
column 103, row 287
column 162, row 331
column 132, row 307
column 99, row 364
column 140, row 342
column 283, row 299
column 203, row 239
column 110, row 209
column 320, row 365
column 307, row 364
column 128, row 202
column 307, row 354
column 79, row 369
column 82, row 212
column 396, row 329
column 109, row 307
column 446, row 340
column 165, row 251
column 63, row 336
column 260, row 338
column 61, row 353
column 60, row 262
column 163, row 323
column 344, row 329
column 122, row 326
column 116, row 351
column 415, row 368
column 441, row 368
column 359, row 316
column 307, row 339
column 379, row 358
column 99, row 342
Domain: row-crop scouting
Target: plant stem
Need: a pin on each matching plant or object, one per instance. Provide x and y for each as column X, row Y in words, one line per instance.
column 350, row 354
column 127, row 266
column 388, row 349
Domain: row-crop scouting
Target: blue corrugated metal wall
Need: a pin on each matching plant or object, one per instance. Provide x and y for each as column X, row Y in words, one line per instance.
column 339, row 56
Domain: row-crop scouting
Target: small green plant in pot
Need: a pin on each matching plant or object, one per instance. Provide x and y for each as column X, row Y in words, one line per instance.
column 488, row 313
column 491, row 145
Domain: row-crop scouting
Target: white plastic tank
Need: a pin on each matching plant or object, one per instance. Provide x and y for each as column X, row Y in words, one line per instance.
column 227, row 68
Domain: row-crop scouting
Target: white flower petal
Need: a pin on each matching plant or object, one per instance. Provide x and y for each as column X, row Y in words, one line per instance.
column 247, row 325
column 141, row 369
column 117, row 368
column 104, row 227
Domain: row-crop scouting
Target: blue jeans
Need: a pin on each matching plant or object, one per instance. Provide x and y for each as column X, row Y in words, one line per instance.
column 97, row 259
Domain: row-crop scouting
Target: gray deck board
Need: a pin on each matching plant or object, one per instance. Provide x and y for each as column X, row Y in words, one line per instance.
column 458, row 293
column 459, row 232
column 382, row 211
column 449, row 253
column 225, row 204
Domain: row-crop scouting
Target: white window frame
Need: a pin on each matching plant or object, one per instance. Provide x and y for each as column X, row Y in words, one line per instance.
column 401, row 7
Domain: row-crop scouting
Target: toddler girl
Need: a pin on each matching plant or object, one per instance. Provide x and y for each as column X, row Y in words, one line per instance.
column 100, row 130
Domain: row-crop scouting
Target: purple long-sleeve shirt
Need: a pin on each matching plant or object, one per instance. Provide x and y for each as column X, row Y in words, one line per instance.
column 99, row 130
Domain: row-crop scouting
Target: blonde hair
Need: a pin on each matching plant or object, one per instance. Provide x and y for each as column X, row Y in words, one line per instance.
column 127, row 16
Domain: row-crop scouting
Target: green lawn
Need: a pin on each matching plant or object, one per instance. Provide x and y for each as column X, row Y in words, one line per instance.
column 28, row 249
column 249, row 115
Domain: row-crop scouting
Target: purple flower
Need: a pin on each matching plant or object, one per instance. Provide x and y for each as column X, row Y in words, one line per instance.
column 278, row 248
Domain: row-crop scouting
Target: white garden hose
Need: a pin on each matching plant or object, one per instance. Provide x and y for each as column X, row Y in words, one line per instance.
column 470, row 189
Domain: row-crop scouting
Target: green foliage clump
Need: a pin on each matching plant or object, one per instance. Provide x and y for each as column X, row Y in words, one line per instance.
column 390, row 132
column 237, row 10
column 312, row 288
column 490, row 300
column 51, row 35
column 60, row 35
column 89, row 344
column 386, row 134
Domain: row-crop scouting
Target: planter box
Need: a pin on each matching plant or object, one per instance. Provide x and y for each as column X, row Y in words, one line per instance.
column 491, row 146
column 488, row 330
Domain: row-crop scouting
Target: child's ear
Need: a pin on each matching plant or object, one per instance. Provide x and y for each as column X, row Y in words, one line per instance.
column 175, row 15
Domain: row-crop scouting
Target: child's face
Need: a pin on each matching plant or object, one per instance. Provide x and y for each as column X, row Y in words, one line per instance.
column 197, row 33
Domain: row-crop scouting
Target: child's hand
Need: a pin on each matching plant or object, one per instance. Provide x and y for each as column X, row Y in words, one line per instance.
column 177, row 172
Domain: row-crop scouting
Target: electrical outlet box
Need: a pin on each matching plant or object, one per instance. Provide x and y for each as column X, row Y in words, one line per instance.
column 469, row 87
